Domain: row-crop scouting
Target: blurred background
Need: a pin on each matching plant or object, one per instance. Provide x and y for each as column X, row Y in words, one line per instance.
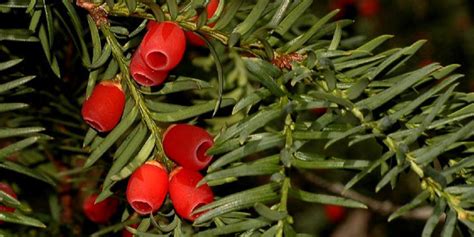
column 448, row 27
column 446, row 24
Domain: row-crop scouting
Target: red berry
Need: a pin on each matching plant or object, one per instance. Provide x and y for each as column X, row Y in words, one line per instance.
column 211, row 9
column 103, row 109
column 347, row 7
column 334, row 213
column 368, row 8
column 8, row 190
column 194, row 39
column 184, row 194
column 319, row 111
column 126, row 233
column 150, row 24
column 99, row 212
column 144, row 75
column 187, row 145
column 147, row 188
column 163, row 46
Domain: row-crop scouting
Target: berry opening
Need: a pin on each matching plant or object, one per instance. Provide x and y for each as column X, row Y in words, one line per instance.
column 143, row 79
column 201, row 151
column 94, row 125
column 198, row 205
column 142, row 207
column 157, row 60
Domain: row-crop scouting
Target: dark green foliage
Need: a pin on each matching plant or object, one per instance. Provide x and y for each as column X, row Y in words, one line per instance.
column 269, row 65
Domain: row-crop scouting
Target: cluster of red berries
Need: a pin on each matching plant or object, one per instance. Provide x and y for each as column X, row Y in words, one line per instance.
column 162, row 49
column 148, row 185
column 8, row 190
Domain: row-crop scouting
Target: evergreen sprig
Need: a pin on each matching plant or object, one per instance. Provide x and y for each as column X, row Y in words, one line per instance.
column 274, row 63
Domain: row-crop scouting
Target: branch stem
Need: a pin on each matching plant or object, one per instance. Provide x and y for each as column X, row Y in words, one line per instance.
column 136, row 95
column 384, row 208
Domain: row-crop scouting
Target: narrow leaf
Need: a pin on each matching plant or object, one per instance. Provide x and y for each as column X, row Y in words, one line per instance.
column 112, row 137
column 141, row 157
column 191, row 111
column 324, row 199
column 235, row 227
column 407, row 207
column 18, row 218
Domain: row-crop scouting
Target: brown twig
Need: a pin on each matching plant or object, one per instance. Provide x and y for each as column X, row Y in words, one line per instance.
column 98, row 13
column 382, row 207
column 285, row 60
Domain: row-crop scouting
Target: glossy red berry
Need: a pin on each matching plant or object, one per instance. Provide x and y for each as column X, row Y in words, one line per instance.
column 211, row 9
column 8, row 190
column 187, row 145
column 334, row 213
column 143, row 74
column 103, row 109
column 163, row 46
column 147, row 188
column 184, row 194
column 99, row 212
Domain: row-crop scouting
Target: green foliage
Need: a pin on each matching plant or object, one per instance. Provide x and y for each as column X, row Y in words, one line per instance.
column 269, row 65
column 14, row 139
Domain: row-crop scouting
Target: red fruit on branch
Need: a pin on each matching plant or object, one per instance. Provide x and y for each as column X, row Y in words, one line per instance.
column 211, row 9
column 103, row 109
column 368, row 8
column 184, row 194
column 8, row 190
column 99, row 212
column 163, row 46
column 150, row 24
column 319, row 111
column 187, row 145
column 126, row 233
column 147, row 188
column 334, row 213
column 143, row 74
